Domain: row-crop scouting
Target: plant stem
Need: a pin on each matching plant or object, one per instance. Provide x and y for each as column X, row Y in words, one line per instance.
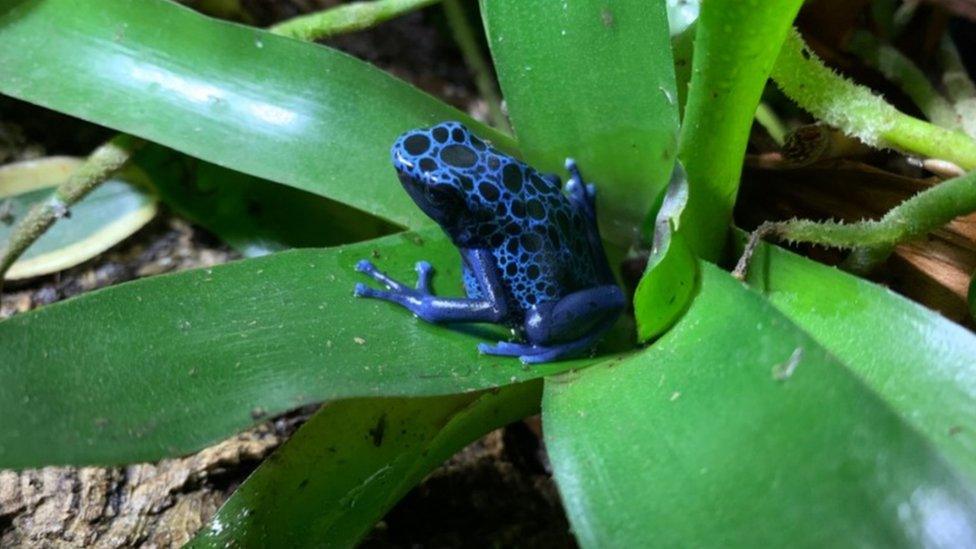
column 924, row 212
column 473, row 57
column 902, row 72
column 729, row 71
column 346, row 18
column 100, row 165
column 859, row 112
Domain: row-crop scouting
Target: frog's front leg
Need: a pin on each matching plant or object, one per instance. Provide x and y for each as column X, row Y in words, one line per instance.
column 583, row 195
column 566, row 327
column 490, row 307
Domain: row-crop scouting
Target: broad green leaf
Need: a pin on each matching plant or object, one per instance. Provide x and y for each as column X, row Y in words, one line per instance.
column 254, row 215
column 337, row 476
column 292, row 112
column 668, row 284
column 166, row 365
column 111, row 213
column 736, row 44
column 592, row 80
column 736, row 429
column 920, row 363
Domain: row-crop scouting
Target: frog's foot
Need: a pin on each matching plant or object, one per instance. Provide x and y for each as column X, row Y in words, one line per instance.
column 427, row 306
column 366, row 267
column 395, row 291
column 537, row 354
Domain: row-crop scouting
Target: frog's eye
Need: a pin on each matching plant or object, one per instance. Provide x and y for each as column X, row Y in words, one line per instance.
column 416, row 144
column 458, row 156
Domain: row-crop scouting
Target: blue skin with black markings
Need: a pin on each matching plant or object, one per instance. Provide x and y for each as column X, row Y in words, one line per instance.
column 531, row 254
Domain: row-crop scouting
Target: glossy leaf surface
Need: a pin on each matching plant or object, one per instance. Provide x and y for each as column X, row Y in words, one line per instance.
column 333, row 480
column 288, row 111
column 736, row 429
column 112, row 212
column 592, row 80
column 920, row 363
column 165, row 365
column 729, row 71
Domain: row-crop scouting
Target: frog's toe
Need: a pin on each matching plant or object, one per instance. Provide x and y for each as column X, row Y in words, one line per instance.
column 506, row 348
column 362, row 290
column 365, row 266
column 424, row 273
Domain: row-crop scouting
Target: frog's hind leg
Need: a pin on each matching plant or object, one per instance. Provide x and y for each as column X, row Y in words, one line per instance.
column 564, row 328
column 537, row 354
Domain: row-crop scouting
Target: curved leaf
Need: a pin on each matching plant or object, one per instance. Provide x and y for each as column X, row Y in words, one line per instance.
column 111, row 213
column 288, row 111
column 592, row 80
column 168, row 364
column 918, row 361
column 668, row 284
column 736, row 429
column 337, row 476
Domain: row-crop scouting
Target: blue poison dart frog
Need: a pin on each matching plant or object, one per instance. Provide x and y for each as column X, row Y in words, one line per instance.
column 531, row 255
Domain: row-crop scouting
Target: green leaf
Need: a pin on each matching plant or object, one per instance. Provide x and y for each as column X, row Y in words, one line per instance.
column 111, row 213
column 253, row 215
column 736, row 429
column 276, row 108
column 337, row 476
column 668, row 283
column 165, row 365
column 919, row 362
column 736, row 44
column 591, row 80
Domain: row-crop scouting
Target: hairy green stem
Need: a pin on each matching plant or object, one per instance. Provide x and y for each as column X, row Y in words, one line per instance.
column 858, row 112
column 346, row 18
column 475, row 59
column 920, row 214
column 100, row 165
column 902, row 72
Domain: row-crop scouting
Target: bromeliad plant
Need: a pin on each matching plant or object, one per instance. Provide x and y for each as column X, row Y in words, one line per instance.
column 806, row 407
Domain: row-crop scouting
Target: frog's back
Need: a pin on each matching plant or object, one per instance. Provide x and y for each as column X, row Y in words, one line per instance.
column 538, row 237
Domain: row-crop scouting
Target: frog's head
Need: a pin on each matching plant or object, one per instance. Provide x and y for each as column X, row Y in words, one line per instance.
column 438, row 167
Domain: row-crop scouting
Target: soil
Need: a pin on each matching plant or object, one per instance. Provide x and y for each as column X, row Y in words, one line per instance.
column 498, row 490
